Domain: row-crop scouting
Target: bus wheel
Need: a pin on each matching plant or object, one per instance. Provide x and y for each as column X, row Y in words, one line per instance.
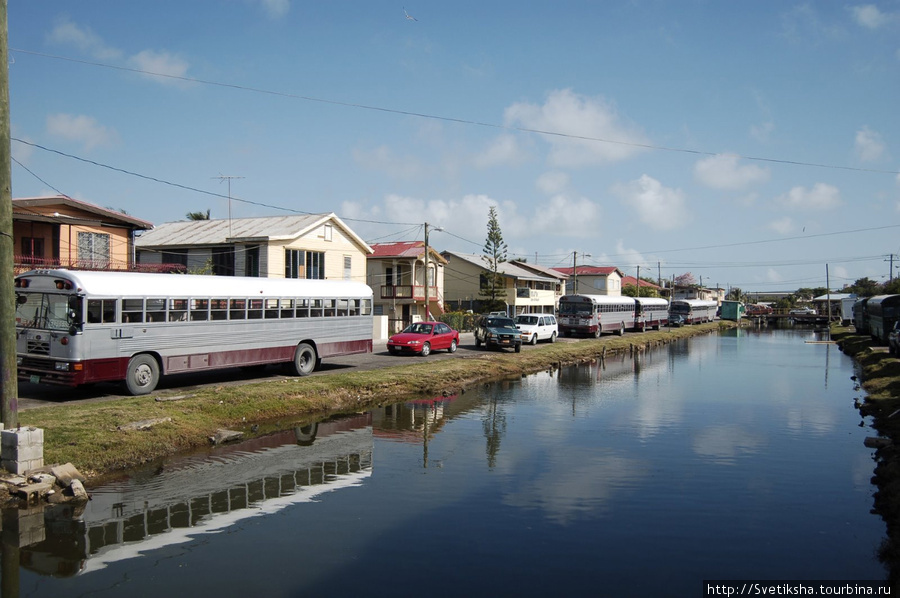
column 142, row 375
column 304, row 359
column 597, row 332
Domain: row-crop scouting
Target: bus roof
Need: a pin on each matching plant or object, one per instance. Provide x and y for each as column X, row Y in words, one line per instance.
column 596, row 299
column 139, row 284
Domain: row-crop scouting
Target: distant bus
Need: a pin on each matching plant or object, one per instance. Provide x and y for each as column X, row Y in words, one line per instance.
column 694, row 311
column 593, row 315
column 77, row 327
column 650, row 312
column 882, row 311
column 860, row 317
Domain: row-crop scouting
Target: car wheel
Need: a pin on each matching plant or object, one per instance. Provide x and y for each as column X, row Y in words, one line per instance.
column 143, row 374
column 393, row 350
column 426, row 349
column 519, row 348
column 477, row 342
column 553, row 337
column 452, row 348
column 534, row 338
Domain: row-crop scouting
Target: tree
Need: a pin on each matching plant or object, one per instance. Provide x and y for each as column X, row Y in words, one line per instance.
column 865, row 287
column 493, row 284
column 630, row 290
column 197, row 215
column 736, row 294
column 685, row 280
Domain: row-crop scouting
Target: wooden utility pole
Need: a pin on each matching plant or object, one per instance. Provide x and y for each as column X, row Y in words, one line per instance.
column 9, row 387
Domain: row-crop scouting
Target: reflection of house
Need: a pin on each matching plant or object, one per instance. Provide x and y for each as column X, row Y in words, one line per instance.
column 307, row 246
column 525, row 291
column 59, row 231
column 396, row 273
column 594, row 280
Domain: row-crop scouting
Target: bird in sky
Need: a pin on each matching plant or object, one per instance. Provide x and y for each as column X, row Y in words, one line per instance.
column 411, row 18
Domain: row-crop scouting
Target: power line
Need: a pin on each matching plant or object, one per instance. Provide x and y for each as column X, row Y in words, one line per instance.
column 463, row 121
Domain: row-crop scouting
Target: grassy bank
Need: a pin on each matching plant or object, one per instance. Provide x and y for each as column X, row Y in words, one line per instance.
column 100, row 438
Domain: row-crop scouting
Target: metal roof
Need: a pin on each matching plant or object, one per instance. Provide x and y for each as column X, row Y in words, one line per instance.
column 506, row 268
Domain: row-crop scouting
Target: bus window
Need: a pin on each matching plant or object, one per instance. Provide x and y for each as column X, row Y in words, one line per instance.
column 329, row 308
column 303, row 308
column 132, row 310
column 343, row 307
column 271, row 309
column 218, row 309
column 353, row 307
column 199, row 310
column 156, row 310
column 238, row 309
column 287, row 308
column 101, row 311
column 366, row 307
column 178, row 310
column 315, row 308
column 255, row 311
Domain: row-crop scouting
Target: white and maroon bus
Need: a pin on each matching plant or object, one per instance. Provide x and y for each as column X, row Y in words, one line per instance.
column 75, row 327
column 650, row 312
column 694, row 311
column 595, row 314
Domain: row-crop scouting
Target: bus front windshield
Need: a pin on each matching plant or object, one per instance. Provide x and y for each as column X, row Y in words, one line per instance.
column 46, row 311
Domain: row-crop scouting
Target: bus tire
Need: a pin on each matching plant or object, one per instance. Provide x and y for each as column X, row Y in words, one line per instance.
column 305, row 359
column 142, row 375
column 598, row 331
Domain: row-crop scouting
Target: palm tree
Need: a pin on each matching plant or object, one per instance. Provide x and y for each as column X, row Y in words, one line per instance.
column 197, row 215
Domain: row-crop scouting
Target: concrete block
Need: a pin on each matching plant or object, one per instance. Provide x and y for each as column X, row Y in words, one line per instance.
column 22, row 449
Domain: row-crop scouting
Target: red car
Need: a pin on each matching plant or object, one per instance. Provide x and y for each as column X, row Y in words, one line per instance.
column 423, row 338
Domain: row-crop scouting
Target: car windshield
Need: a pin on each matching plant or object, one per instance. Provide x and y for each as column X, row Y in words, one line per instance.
column 530, row 320
column 418, row 328
column 500, row 323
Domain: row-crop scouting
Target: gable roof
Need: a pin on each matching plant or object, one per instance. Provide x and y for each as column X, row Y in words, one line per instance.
column 591, row 271
column 404, row 249
column 510, row 269
column 631, row 280
column 223, row 232
column 24, row 209
column 542, row 270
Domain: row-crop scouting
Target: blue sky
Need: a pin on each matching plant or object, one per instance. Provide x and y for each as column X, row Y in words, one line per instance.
column 750, row 144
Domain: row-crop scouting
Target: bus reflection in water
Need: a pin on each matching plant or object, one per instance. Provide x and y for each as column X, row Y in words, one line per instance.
column 77, row 328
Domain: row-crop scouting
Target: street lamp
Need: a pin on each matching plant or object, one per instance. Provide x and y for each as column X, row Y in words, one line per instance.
column 427, row 310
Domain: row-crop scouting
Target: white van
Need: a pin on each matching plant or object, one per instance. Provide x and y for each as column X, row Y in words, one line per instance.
column 537, row 327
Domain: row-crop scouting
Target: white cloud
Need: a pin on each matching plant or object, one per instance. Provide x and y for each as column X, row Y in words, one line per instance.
column 162, row 63
column 275, row 8
column 81, row 129
column 772, row 275
column 869, row 145
column 67, row 33
column 658, row 207
column 503, row 150
column 821, row 197
column 724, row 172
column 870, row 16
column 553, row 182
column 782, row 226
column 573, row 118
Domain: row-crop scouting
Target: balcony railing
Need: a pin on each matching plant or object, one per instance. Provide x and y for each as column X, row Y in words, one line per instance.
column 406, row 291
column 24, row 263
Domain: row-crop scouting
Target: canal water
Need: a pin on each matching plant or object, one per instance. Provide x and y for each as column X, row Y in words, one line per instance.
column 730, row 456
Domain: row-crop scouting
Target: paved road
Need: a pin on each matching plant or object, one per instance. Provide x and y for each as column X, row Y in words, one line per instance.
column 35, row 395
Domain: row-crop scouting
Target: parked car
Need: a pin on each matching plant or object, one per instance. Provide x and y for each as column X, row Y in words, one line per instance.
column 676, row 320
column 423, row 338
column 537, row 327
column 894, row 340
column 496, row 332
column 802, row 311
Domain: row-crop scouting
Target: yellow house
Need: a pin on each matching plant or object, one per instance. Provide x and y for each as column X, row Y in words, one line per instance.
column 302, row 246
column 58, row 231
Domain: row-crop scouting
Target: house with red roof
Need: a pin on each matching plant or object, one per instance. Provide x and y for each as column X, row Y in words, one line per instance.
column 593, row 280
column 397, row 273
column 631, row 281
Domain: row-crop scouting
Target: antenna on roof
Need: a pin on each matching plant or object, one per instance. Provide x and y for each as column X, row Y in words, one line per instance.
column 222, row 177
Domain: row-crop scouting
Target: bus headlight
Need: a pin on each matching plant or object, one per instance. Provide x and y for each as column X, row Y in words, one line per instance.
column 61, row 366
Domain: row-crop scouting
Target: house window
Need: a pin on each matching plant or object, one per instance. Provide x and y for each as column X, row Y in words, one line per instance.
column 251, row 261
column 304, row 264
column 223, row 261
column 315, row 264
column 329, row 231
column 93, row 249
column 32, row 249
column 348, row 262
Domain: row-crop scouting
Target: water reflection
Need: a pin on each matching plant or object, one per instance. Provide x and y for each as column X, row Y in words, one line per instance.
column 192, row 496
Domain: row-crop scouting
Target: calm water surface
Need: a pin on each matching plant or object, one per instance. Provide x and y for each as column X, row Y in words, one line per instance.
column 732, row 456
